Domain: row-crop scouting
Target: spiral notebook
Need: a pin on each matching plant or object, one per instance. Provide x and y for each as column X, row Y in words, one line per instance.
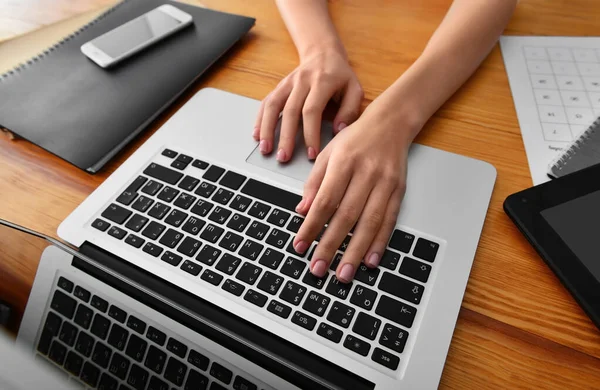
column 582, row 153
column 66, row 104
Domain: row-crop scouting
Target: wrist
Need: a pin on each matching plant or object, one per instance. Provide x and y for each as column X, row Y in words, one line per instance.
column 396, row 118
column 331, row 46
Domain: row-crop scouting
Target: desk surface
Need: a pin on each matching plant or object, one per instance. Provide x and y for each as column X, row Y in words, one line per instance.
column 518, row 326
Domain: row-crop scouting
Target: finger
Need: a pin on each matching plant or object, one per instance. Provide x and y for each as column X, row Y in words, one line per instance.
column 256, row 130
column 313, row 183
column 273, row 105
column 289, row 125
column 340, row 224
column 312, row 113
column 349, row 108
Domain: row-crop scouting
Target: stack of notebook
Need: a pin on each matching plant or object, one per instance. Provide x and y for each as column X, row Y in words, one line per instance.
column 582, row 153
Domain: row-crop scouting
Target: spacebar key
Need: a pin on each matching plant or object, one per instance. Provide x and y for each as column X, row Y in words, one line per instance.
column 270, row 194
column 165, row 174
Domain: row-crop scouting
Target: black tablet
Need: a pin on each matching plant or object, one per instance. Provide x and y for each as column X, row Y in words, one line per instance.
column 561, row 219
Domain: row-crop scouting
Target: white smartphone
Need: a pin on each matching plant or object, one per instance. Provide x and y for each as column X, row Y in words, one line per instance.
column 135, row 35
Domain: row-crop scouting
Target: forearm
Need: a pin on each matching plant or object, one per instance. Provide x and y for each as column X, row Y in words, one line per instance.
column 310, row 26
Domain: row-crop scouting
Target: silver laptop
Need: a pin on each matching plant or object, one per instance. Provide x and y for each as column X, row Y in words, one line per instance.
column 200, row 212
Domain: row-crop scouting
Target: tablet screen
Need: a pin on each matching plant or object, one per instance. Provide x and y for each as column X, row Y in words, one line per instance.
column 577, row 222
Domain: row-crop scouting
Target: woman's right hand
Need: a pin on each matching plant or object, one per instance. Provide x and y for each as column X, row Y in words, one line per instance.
column 321, row 76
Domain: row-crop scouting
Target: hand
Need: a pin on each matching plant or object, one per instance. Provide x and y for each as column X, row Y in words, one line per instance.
column 359, row 178
column 306, row 91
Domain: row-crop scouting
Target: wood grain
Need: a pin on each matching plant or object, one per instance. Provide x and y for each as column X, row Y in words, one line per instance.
column 519, row 327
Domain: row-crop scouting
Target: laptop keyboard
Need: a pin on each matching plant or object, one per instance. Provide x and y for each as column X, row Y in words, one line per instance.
column 105, row 347
column 235, row 233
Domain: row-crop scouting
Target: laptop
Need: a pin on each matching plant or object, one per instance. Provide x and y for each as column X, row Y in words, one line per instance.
column 200, row 217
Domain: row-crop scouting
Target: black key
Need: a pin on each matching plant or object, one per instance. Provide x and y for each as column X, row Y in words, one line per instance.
column 99, row 304
column 142, row 204
column 329, row 332
column 100, row 326
column 53, row 323
column 221, row 373
column 138, row 377
column 290, row 249
column 415, row 269
column 127, row 197
column 134, row 241
column 200, row 164
column 168, row 194
column 171, row 238
column 394, row 338
column 255, row 297
column 169, row 153
column 189, row 183
column 278, row 217
column 389, row 260
column 118, row 337
column 295, row 224
column 270, row 283
column 205, row 189
column 171, row 258
column 156, row 336
column 189, row 247
column 90, row 374
column 228, row 264
column 100, row 225
column 117, row 232
column 251, row 250
column 136, row 324
column 222, row 196
column 243, row 384
column 312, row 280
column 193, row 225
column 363, row 297
column 231, row 241
column 208, row 255
column 316, row 303
column 179, row 165
column 117, row 314
column 338, row 289
column 159, row 210
column 219, row 215
column 233, row 287
column 63, row 304
column 249, row 273
column 278, row 238
column 426, row 250
column 119, row 366
column 344, row 244
column 84, row 344
column 396, row 311
column 161, row 173
column 184, row 159
column 293, row 293
column 259, row 210
column 153, row 230
column 191, row 268
column 116, row 213
column 73, row 363
column 293, row 267
column 279, row 309
column 211, row 277
column 196, row 381
column 271, row 258
column 401, row 241
column 107, row 382
column 238, row 222
column 184, row 201
column 101, row 355
column 357, row 345
column 232, row 180
column 157, row 384
column 156, row 360
column 401, row 288
column 65, row 284
column 341, row 314
column 176, row 218
column 83, row 316
column 175, row 371
column 177, row 347
column 57, row 353
column 304, row 320
column 217, row 386
column 270, row 194
column 385, row 359
column 201, row 208
column 257, row 230
column 367, row 275
column 336, row 261
column 152, row 187
column 366, row 326
column 240, row 203
column 136, row 184
column 213, row 173
column 68, row 333
column 211, row 233
column 198, row 360
column 136, row 348
column 151, row 249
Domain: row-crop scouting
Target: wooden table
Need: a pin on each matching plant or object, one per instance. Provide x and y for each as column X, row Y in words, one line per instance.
column 518, row 326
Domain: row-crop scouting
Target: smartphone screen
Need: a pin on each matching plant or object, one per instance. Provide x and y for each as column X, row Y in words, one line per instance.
column 133, row 34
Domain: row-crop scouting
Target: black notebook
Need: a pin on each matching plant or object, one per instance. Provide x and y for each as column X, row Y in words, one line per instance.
column 68, row 105
column 582, row 153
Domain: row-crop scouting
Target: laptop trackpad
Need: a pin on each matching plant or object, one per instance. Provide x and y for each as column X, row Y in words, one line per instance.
column 299, row 166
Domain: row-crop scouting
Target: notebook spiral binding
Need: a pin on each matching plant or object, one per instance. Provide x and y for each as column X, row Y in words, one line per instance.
column 57, row 45
column 562, row 160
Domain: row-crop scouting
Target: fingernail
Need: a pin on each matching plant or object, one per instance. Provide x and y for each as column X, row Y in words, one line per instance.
column 319, row 268
column 281, row 155
column 347, row 273
column 264, row 146
column 312, row 153
column 300, row 206
column 301, row 247
column 342, row 126
column 373, row 260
